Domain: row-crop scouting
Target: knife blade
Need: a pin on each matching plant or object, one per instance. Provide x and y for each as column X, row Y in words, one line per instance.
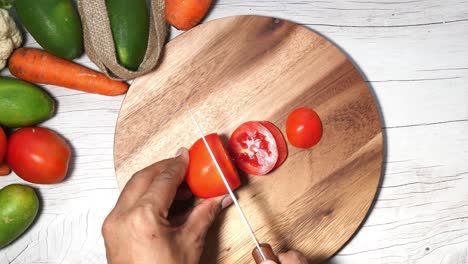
column 231, row 193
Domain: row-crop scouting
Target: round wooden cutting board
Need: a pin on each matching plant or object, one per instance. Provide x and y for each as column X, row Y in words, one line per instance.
column 237, row 69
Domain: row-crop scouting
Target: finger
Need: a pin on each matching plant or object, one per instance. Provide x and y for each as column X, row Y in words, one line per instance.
column 203, row 216
column 268, row 262
column 162, row 190
column 139, row 183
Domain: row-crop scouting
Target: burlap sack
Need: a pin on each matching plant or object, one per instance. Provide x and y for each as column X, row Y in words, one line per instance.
column 99, row 44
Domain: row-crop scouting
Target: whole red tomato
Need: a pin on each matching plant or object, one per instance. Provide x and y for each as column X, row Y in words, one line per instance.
column 38, row 155
column 202, row 176
column 3, row 144
column 303, row 128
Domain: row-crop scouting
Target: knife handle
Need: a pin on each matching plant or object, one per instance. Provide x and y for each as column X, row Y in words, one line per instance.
column 267, row 250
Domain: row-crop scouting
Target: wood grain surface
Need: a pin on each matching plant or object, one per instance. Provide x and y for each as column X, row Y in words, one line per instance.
column 236, row 69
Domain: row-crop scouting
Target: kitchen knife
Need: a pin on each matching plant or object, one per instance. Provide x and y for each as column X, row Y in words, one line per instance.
column 262, row 251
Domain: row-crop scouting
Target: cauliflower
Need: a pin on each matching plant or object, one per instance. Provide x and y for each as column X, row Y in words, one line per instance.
column 10, row 37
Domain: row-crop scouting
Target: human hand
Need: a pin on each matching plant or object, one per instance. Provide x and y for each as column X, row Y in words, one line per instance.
column 290, row 257
column 140, row 229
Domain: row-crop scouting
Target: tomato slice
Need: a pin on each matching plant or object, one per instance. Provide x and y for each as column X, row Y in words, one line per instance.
column 253, row 148
column 280, row 142
column 202, row 176
column 303, row 128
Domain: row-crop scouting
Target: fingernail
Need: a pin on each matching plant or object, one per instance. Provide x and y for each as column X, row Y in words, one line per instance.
column 179, row 152
column 227, row 201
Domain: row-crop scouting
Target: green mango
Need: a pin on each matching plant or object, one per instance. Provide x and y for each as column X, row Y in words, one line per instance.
column 19, row 205
column 23, row 104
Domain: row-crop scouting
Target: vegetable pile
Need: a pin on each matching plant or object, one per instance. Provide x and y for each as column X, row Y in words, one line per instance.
column 39, row 155
column 36, row 154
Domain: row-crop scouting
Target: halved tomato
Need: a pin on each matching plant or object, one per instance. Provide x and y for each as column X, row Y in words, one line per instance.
column 202, row 176
column 253, row 148
column 304, row 128
column 280, row 142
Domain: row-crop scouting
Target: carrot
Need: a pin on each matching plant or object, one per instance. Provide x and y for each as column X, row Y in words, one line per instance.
column 4, row 169
column 185, row 14
column 38, row 66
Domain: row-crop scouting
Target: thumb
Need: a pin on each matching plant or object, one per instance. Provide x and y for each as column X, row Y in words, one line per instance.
column 268, row 262
column 203, row 216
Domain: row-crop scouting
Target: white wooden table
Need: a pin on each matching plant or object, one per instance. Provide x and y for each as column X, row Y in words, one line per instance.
column 414, row 55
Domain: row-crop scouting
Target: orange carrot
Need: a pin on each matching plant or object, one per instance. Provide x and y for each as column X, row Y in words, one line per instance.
column 185, row 14
column 4, row 169
column 34, row 65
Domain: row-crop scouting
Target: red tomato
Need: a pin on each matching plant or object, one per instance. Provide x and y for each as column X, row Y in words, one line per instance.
column 303, row 128
column 280, row 142
column 3, row 144
column 38, row 155
column 253, row 148
column 202, row 176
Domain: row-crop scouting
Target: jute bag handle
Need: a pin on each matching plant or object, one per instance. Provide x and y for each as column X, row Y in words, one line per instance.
column 99, row 43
